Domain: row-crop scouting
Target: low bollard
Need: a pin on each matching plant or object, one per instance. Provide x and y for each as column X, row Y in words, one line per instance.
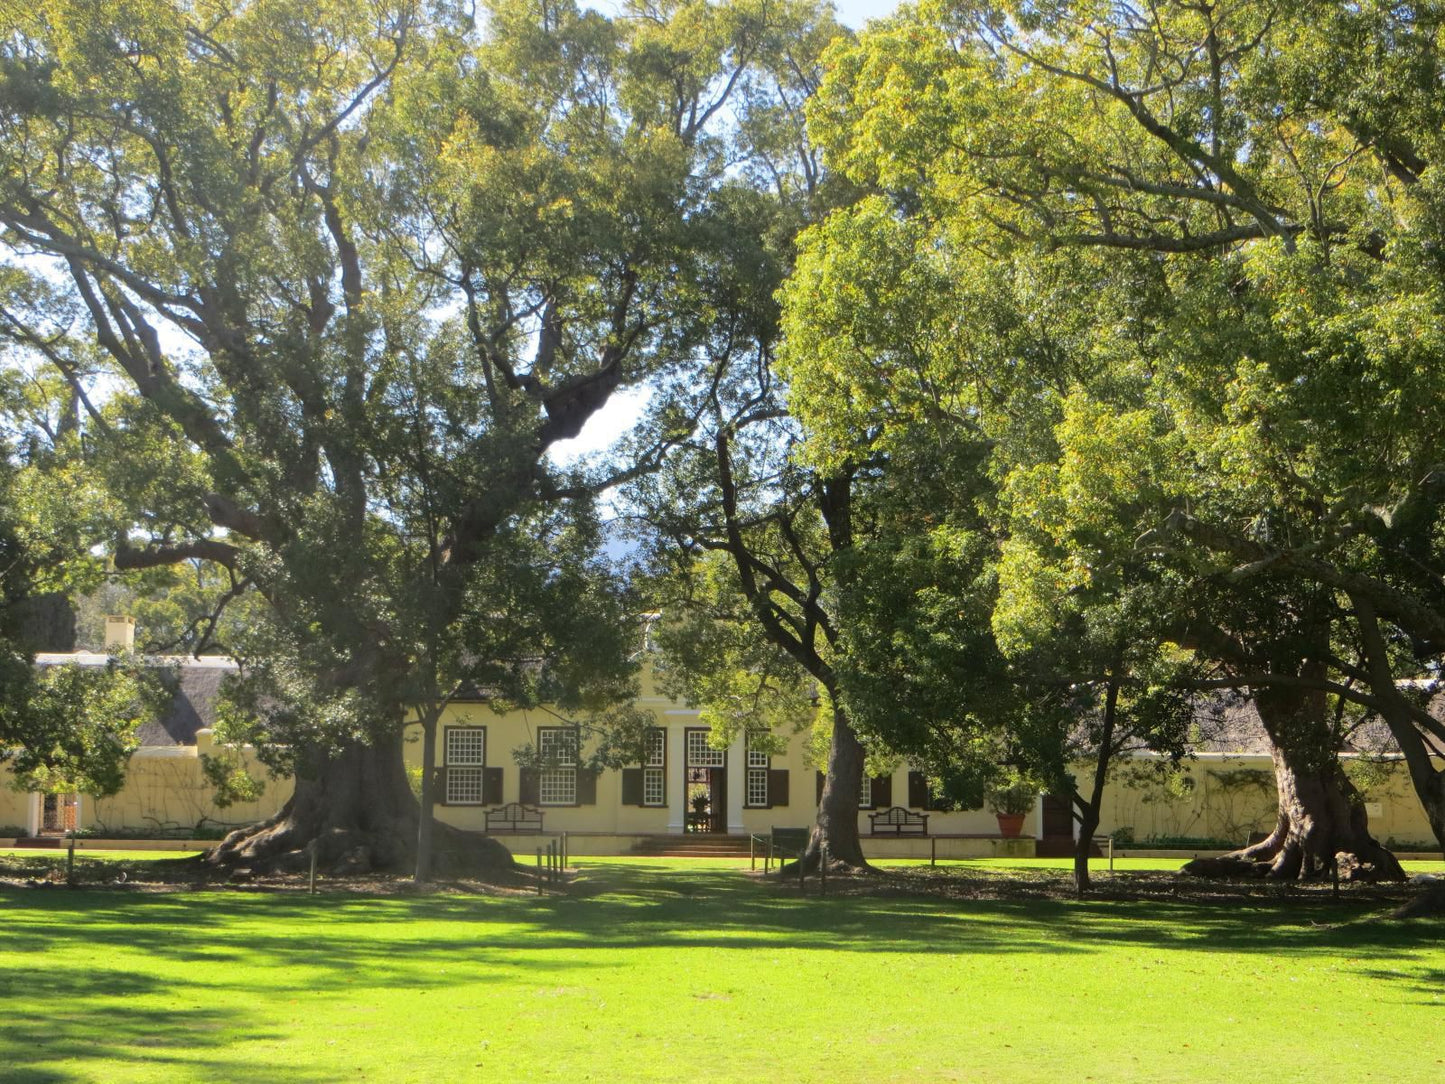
column 539, row 871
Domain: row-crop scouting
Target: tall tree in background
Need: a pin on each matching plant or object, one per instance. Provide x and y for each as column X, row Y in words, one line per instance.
column 359, row 268
column 1236, row 229
column 746, row 541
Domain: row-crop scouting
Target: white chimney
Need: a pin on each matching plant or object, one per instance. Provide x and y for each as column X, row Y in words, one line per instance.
column 119, row 633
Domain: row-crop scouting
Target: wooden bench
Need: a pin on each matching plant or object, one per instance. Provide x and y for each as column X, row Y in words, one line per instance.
column 514, row 817
column 782, row 842
column 898, row 821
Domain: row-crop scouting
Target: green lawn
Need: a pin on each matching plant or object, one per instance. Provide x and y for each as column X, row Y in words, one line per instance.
column 673, row 971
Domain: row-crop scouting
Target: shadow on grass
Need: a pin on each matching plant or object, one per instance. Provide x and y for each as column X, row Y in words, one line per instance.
column 77, row 996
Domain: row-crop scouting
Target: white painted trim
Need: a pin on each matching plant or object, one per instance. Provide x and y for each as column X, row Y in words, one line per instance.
column 736, row 763
column 677, row 785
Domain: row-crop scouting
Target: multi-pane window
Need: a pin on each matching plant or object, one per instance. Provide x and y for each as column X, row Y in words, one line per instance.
column 702, row 755
column 865, row 793
column 654, row 768
column 557, row 781
column 465, row 755
column 757, row 779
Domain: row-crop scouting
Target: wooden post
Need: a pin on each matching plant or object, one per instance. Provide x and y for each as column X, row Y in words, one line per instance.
column 539, row 871
column 933, row 850
column 312, row 880
column 823, row 869
column 70, row 861
column 565, row 856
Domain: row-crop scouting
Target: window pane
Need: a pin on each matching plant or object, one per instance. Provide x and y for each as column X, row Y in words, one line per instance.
column 557, row 745
column 702, row 755
column 464, row 786
column 653, row 789
column 656, row 748
column 757, row 786
column 558, row 787
column 466, row 745
column 757, row 758
column 865, row 793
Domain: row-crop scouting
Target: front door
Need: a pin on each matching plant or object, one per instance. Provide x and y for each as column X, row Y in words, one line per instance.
column 704, row 782
column 58, row 813
column 1058, row 819
column 717, row 781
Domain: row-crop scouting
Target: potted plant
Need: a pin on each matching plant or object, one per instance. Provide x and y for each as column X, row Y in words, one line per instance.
column 1010, row 799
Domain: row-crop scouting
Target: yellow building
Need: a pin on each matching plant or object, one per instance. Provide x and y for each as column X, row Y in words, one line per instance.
column 166, row 791
column 685, row 788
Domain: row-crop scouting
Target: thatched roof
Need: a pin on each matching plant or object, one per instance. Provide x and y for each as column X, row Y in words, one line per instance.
column 197, row 685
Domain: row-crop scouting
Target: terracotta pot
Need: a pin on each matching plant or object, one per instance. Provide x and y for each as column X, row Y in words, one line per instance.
column 1010, row 824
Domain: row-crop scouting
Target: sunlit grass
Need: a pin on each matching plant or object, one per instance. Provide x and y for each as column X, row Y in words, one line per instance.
column 671, row 970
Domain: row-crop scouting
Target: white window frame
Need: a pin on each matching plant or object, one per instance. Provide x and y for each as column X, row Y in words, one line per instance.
column 558, row 748
column 654, row 768
column 755, row 785
column 700, row 754
column 865, row 792
column 466, row 767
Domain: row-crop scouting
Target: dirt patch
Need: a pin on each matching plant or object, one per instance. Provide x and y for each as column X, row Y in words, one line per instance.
column 1131, row 886
column 47, row 873
column 191, row 875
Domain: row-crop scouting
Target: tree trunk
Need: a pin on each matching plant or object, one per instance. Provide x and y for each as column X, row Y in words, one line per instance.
column 356, row 807
column 1083, row 847
column 426, row 818
column 1428, row 781
column 1321, row 817
column 1089, row 811
column 837, row 823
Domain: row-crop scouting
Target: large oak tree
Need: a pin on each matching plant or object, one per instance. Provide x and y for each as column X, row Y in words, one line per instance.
column 354, row 269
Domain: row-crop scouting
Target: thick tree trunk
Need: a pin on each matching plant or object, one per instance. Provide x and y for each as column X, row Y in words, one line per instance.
column 1083, row 846
column 426, row 827
column 356, row 807
column 1428, row 780
column 837, row 823
column 1321, row 819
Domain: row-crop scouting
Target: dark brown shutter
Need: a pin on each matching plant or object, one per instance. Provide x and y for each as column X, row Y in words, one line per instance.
column 491, row 786
column 821, row 778
column 917, row 790
column 586, row 787
column 631, row 786
column 439, row 786
column 882, row 791
column 777, row 786
column 530, row 789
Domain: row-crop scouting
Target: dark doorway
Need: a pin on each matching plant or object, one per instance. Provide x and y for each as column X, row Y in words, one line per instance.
column 1058, row 818
column 704, row 783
